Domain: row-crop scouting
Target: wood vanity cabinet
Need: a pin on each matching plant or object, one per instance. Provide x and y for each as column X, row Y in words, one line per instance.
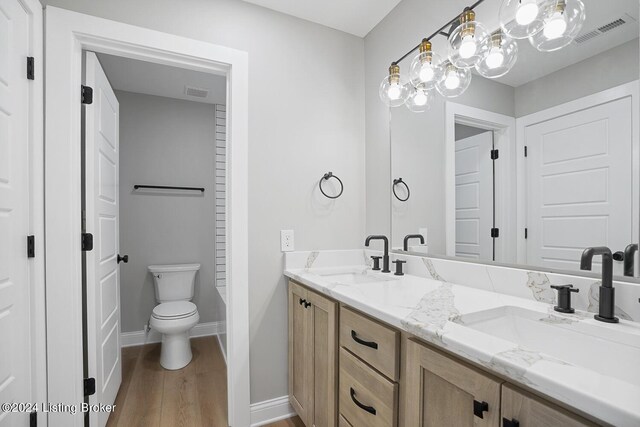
column 442, row 391
column 522, row 409
column 313, row 356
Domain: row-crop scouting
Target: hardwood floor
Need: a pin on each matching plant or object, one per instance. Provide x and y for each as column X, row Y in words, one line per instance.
column 151, row 396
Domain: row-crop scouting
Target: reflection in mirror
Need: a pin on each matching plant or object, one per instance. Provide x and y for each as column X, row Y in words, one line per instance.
column 535, row 166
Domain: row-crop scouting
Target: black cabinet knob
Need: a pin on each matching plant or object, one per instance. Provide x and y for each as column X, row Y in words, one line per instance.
column 124, row 259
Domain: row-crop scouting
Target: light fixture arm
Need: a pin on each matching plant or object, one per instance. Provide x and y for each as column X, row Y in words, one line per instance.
column 440, row 31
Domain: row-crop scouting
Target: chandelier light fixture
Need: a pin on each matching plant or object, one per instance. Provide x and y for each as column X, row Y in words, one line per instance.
column 548, row 25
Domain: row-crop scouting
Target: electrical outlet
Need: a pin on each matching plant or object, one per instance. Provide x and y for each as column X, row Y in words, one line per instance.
column 286, row 240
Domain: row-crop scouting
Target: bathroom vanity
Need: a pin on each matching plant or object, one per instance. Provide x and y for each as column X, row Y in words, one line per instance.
column 374, row 349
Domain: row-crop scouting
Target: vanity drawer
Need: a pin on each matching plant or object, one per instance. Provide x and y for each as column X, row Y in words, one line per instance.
column 366, row 398
column 373, row 342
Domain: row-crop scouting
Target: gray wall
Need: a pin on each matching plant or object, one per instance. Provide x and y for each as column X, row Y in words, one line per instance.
column 609, row 69
column 305, row 118
column 398, row 31
column 166, row 141
column 463, row 131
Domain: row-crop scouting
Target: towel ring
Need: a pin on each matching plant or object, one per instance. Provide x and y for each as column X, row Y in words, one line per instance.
column 400, row 181
column 326, row 177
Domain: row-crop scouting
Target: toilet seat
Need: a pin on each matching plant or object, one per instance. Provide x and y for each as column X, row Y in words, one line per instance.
column 174, row 310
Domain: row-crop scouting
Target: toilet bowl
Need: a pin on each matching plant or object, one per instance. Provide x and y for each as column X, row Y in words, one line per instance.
column 175, row 316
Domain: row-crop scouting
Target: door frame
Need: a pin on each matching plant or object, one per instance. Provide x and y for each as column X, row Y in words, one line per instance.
column 504, row 128
column 631, row 90
column 68, row 34
column 36, row 272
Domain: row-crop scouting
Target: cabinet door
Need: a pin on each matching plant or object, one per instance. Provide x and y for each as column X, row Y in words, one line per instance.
column 324, row 337
column 522, row 409
column 442, row 391
column 300, row 353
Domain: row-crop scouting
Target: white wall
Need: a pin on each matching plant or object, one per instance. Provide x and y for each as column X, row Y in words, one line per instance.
column 305, row 118
column 165, row 141
column 612, row 68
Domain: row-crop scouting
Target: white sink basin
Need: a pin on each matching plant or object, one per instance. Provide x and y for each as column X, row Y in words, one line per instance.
column 612, row 351
column 354, row 278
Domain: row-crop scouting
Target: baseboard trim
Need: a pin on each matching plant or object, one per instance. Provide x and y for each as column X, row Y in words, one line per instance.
column 222, row 349
column 271, row 411
column 129, row 339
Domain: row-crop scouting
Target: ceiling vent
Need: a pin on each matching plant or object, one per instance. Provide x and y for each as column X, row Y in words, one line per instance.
column 196, row 92
column 617, row 23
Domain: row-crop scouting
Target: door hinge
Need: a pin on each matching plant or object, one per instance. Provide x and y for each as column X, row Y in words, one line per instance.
column 89, row 386
column 495, row 233
column 31, row 68
column 526, row 233
column 31, row 246
column 87, row 95
column 87, row 242
column 526, row 151
column 33, row 419
column 494, row 154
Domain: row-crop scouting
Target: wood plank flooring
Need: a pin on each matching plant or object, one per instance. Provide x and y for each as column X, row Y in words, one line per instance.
column 151, row 396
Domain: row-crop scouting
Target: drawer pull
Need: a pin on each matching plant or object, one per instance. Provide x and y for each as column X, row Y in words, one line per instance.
column 373, row 345
column 479, row 408
column 369, row 409
column 510, row 423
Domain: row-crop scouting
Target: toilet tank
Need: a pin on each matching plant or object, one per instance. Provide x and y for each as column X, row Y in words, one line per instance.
column 174, row 282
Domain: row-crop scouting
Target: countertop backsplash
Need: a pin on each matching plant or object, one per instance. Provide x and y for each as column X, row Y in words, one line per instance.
column 523, row 283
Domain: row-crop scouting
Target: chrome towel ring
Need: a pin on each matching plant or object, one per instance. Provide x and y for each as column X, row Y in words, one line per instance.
column 397, row 182
column 326, row 177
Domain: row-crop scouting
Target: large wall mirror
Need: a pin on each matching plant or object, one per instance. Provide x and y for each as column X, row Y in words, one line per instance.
column 533, row 167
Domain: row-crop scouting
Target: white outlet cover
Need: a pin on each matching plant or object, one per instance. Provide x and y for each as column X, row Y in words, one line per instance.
column 287, row 242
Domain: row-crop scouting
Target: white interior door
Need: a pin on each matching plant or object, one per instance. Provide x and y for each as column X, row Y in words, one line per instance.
column 579, row 184
column 101, row 204
column 15, row 316
column 474, row 197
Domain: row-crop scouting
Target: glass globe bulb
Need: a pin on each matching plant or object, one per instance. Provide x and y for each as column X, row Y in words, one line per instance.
column 419, row 99
column 393, row 89
column 563, row 20
column 495, row 58
column 503, row 53
column 527, row 12
column 453, row 81
column 466, row 49
column 424, row 67
column 555, row 26
column 520, row 19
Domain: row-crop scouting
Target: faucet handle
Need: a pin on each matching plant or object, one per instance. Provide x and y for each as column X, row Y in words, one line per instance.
column 376, row 262
column 564, row 298
column 398, row 264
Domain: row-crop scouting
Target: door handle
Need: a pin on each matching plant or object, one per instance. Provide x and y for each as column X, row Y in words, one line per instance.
column 124, row 259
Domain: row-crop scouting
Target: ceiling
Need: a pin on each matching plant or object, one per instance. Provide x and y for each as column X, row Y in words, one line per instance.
column 131, row 75
column 356, row 17
column 533, row 64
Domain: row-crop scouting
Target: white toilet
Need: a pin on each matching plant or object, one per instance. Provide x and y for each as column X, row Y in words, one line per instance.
column 175, row 314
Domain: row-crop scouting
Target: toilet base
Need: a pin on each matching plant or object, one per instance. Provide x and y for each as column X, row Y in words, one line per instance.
column 175, row 352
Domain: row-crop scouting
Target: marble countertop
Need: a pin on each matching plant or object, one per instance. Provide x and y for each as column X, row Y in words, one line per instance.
column 436, row 311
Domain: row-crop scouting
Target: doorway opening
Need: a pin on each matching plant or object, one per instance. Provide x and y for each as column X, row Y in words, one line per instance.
column 154, row 199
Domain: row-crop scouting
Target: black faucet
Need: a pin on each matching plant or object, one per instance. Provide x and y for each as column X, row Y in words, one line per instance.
column 385, row 258
column 607, row 292
column 629, row 259
column 411, row 236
